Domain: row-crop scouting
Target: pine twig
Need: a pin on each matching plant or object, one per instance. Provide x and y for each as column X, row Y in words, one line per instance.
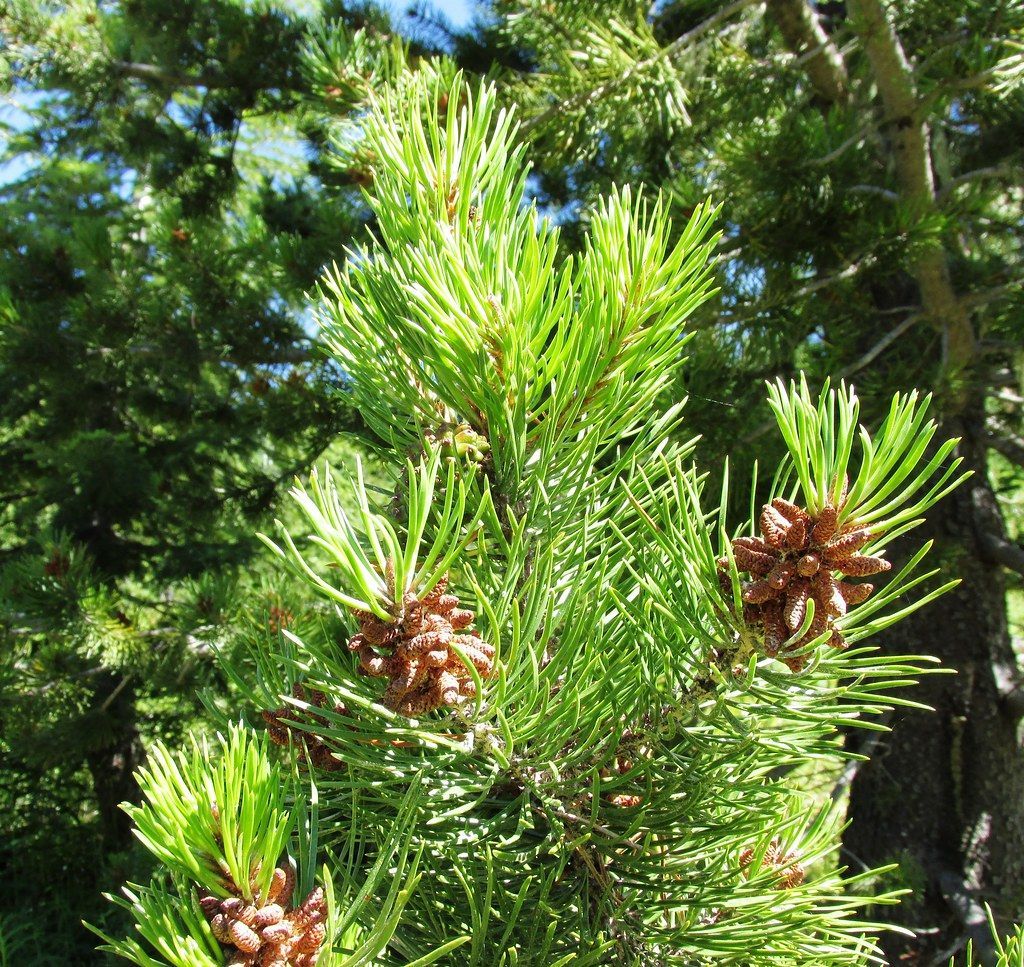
column 805, row 37
column 1001, row 440
column 154, row 74
column 584, row 99
column 879, row 347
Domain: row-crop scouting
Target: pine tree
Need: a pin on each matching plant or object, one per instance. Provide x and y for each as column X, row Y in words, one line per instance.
column 868, row 155
column 559, row 698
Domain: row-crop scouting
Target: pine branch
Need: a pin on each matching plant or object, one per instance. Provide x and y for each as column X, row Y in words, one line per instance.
column 970, row 83
column 1005, row 442
column 808, row 288
column 1005, row 171
column 856, row 366
column 851, row 142
column 982, row 297
column 804, row 35
column 886, row 193
column 879, row 347
column 112, row 697
column 993, row 543
column 1000, row 550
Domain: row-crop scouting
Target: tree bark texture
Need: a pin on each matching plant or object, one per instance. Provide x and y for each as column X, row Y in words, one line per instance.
column 112, row 764
column 942, row 793
column 905, row 123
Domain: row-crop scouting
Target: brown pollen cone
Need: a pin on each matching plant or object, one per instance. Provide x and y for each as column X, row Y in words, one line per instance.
column 418, row 652
column 787, row 864
column 269, row 931
column 310, row 747
column 621, row 799
column 798, row 559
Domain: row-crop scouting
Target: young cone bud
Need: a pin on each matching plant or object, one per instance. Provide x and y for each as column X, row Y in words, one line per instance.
column 825, row 528
column 774, row 527
column 862, row 565
column 790, row 511
column 244, row 937
column 855, row 594
column 796, row 604
column 845, row 544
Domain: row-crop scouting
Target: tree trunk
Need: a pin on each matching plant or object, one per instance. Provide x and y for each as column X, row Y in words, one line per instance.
column 942, row 794
column 112, row 765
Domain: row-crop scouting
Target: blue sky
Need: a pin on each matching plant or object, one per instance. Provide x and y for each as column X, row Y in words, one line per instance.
column 457, row 11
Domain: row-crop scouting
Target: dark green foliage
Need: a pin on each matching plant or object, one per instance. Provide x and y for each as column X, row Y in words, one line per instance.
column 164, row 211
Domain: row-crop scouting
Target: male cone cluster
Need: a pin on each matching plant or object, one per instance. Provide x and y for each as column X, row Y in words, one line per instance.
column 787, row 864
column 622, row 799
column 267, row 933
column 310, row 746
column 418, row 652
column 798, row 559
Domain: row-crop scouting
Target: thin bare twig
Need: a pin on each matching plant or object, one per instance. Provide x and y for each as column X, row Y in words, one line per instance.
column 979, row 174
column 153, row 74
